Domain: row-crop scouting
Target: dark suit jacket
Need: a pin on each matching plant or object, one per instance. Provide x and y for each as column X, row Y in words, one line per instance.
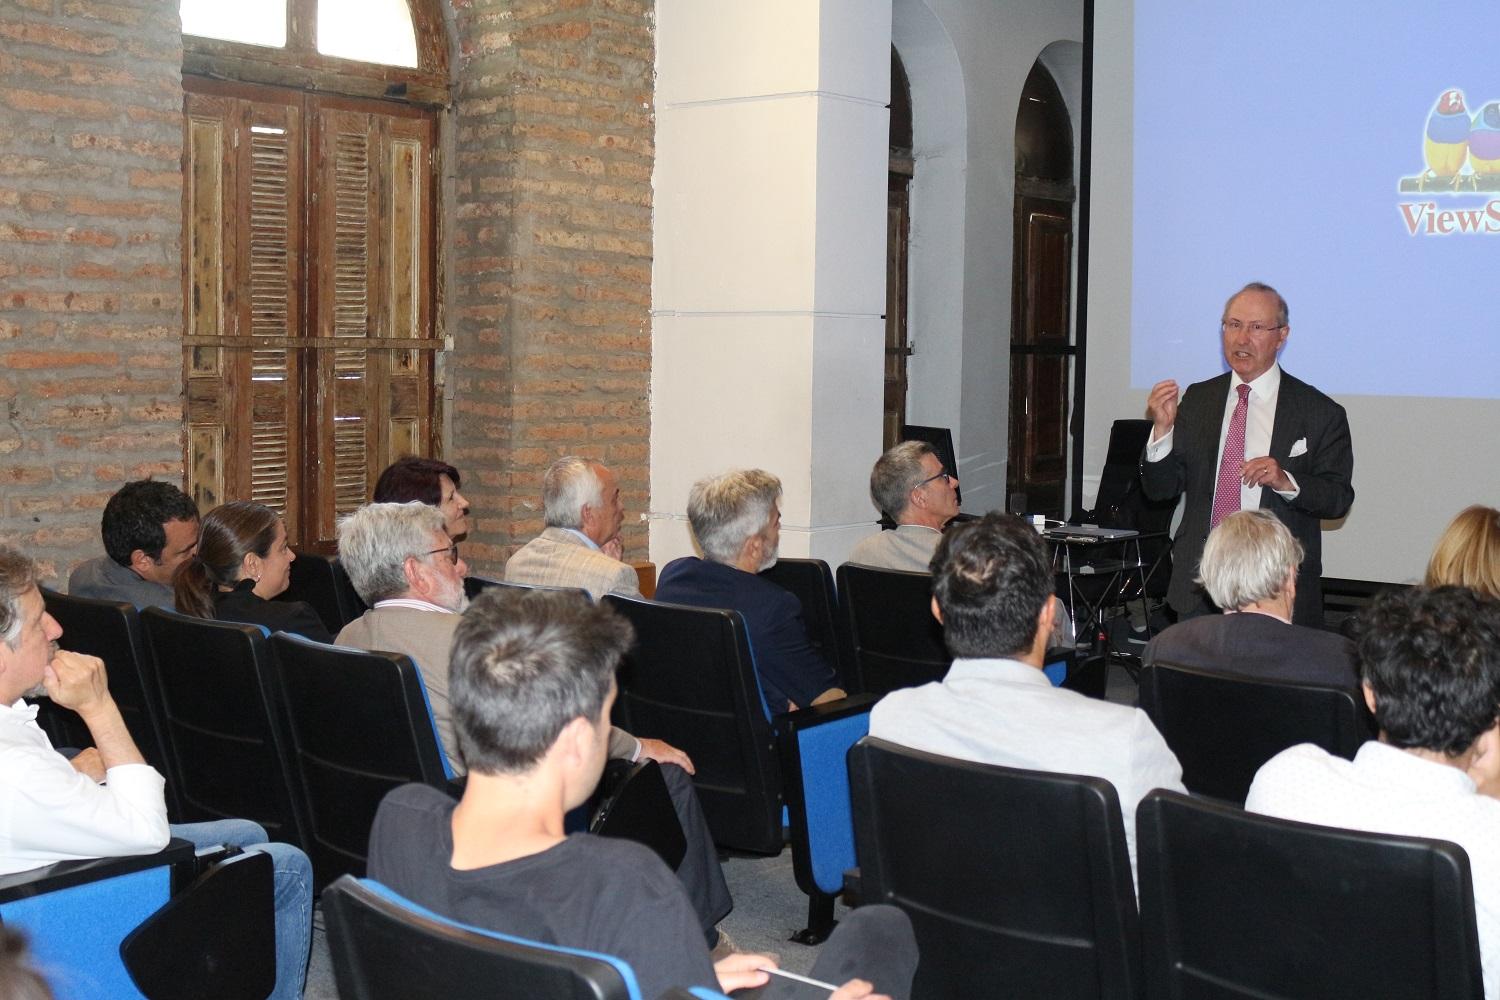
column 1323, row 473
column 788, row 666
column 242, row 605
column 1259, row 646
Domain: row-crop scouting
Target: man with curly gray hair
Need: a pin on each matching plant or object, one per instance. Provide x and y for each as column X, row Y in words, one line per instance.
column 736, row 518
column 911, row 489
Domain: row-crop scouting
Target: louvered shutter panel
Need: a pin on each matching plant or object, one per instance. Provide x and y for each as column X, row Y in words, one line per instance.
column 243, row 205
column 308, row 265
column 373, row 285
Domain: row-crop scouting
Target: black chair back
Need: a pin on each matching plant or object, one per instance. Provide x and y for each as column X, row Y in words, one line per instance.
column 221, row 718
column 894, row 641
column 1236, row 905
column 1018, row 880
column 812, row 582
column 357, row 724
column 384, row 948
column 476, row 585
column 637, row 806
column 1223, row 727
column 216, row 938
column 323, row 582
column 111, row 630
column 941, row 439
column 689, row 680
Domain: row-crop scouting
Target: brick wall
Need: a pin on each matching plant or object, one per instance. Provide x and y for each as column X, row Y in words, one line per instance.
column 548, row 244
column 550, row 255
column 90, row 264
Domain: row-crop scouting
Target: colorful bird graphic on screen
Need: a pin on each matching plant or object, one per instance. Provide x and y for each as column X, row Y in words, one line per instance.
column 1484, row 140
column 1447, row 141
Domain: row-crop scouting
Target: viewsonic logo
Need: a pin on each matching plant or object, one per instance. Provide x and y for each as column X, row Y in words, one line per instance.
column 1462, row 157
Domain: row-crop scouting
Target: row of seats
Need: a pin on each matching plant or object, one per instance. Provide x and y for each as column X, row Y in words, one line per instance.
column 875, row 627
column 303, row 738
column 1032, row 896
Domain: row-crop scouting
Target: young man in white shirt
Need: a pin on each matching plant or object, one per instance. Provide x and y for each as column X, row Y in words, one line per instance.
column 1430, row 661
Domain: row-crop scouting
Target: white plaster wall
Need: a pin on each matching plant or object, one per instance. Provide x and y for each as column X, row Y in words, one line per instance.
column 960, row 284
column 935, row 282
column 768, row 280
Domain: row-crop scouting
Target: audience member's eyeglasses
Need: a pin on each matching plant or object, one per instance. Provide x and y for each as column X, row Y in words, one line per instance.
column 1235, row 326
column 452, row 551
column 944, row 476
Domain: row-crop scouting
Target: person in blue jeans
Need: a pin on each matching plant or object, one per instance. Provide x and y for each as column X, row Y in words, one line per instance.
column 105, row 801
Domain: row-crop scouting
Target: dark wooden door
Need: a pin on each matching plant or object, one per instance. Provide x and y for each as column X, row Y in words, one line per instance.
column 897, row 346
column 1041, row 355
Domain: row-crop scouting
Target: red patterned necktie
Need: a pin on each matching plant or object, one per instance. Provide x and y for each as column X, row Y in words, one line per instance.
column 1227, row 489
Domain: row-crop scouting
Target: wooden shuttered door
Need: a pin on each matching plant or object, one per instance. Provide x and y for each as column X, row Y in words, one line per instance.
column 309, row 347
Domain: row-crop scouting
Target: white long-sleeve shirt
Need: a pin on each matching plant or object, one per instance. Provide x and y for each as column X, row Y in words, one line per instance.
column 50, row 812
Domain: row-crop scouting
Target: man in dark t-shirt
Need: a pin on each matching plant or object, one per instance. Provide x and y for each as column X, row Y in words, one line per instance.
column 531, row 680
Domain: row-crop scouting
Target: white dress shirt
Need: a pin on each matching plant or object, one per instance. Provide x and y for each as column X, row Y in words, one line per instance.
column 1387, row 790
column 1260, row 418
column 1006, row 712
column 50, row 812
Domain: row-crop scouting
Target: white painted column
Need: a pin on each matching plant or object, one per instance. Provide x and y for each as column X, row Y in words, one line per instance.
column 769, row 276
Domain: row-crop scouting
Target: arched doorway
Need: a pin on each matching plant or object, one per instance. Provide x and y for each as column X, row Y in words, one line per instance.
column 1041, row 348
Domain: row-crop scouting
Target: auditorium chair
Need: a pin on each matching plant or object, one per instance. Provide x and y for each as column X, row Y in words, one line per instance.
column 1223, row 727
column 894, row 641
column 632, row 802
column 111, row 630
column 689, row 680
column 476, row 585
column 356, row 725
column 142, row 926
column 322, row 582
column 221, row 711
column 1017, row 882
column 1234, row 904
column 385, row 947
column 812, row 582
column 813, row 744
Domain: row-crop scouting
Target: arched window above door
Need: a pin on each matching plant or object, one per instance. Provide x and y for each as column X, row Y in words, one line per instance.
column 366, row 48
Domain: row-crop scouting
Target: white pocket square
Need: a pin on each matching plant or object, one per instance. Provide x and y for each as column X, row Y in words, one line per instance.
column 1298, row 448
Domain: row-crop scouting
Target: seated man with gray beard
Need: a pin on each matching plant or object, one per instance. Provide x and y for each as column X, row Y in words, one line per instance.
column 407, row 569
column 736, row 518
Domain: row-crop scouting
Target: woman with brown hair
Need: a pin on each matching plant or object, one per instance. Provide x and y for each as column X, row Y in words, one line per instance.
column 1468, row 553
column 243, row 561
column 431, row 481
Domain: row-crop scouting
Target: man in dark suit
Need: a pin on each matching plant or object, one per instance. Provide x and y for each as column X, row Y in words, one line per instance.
column 736, row 518
column 1249, row 569
column 1254, row 437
